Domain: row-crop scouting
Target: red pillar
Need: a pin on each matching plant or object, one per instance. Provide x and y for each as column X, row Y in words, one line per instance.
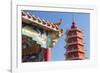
column 47, row 54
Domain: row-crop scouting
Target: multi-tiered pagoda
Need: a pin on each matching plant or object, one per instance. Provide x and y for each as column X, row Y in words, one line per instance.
column 74, row 44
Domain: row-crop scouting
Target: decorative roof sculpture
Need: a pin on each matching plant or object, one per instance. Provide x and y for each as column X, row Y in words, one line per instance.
column 55, row 32
column 47, row 25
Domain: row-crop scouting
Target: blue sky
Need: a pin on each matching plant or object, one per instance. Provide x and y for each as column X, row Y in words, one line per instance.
column 82, row 20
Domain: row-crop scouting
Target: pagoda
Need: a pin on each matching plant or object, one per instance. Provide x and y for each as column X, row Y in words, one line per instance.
column 74, row 44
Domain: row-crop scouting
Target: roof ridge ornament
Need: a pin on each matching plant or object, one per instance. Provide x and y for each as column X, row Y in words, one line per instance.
column 58, row 23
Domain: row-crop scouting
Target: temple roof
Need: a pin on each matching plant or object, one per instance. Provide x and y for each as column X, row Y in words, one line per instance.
column 47, row 25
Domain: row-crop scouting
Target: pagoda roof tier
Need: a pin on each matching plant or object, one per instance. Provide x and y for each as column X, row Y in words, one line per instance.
column 76, row 58
column 67, row 46
column 82, row 50
column 73, row 30
column 75, row 36
column 74, row 43
column 36, row 21
column 77, row 39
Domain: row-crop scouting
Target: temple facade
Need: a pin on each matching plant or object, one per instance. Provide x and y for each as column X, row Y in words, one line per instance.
column 74, row 44
column 38, row 38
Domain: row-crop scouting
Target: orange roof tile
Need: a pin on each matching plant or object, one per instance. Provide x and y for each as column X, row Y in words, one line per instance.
column 48, row 24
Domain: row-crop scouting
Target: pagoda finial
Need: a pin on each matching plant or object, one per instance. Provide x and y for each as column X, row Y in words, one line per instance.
column 73, row 21
column 74, row 25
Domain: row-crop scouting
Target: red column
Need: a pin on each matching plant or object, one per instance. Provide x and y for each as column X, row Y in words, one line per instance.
column 47, row 54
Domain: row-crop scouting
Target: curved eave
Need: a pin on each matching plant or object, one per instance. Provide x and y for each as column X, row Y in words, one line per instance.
column 74, row 29
column 76, row 58
column 35, row 23
column 79, row 50
column 71, row 37
column 73, row 44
